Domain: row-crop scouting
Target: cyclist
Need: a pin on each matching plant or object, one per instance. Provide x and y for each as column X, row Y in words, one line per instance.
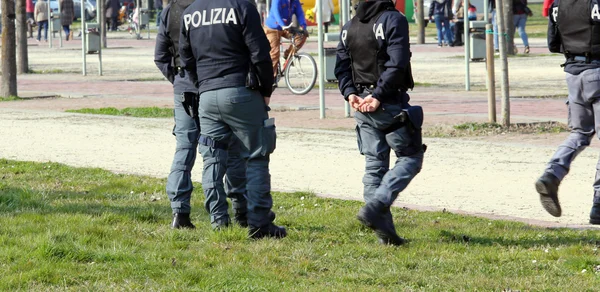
column 279, row 24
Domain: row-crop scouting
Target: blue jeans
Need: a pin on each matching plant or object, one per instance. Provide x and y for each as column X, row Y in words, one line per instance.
column 179, row 181
column 237, row 113
column 520, row 20
column 42, row 25
column 446, row 34
column 67, row 30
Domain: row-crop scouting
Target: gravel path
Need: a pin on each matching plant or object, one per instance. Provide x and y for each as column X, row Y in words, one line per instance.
column 472, row 176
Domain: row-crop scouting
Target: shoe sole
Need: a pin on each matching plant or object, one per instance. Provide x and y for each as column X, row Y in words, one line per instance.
column 546, row 199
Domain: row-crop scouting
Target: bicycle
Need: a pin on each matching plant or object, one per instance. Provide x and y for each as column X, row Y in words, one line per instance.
column 299, row 69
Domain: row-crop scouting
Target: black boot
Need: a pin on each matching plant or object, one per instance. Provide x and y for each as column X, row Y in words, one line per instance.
column 182, row 220
column 595, row 214
column 241, row 218
column 379, row 218
column 269, row 230
column 221, row 223
column 547, row 187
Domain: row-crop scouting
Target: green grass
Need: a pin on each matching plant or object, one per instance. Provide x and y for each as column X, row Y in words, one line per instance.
column 74, row 229
column 487, row 129
column 10, row 98
column 138, row 112
column 49, row 71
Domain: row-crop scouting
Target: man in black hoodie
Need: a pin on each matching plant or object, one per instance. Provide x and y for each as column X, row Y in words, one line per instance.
column 373, row 69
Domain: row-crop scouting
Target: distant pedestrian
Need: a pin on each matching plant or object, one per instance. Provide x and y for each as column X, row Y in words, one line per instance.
column 29, row 10
column 327, row 16
column 261, row 6
column 67, row 13
column 520, row 14
column 441, row 12
column 112, row 12
column 158, row 6
column 41, row 17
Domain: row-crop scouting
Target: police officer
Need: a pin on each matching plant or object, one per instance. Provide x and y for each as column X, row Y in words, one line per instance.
column 187, row 130
column 373, row 69
column 224, row 49
column 574, row 30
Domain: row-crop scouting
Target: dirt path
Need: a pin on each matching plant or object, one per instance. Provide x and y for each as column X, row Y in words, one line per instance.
column 472, row 176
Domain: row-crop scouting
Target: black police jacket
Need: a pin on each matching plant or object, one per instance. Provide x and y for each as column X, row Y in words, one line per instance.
column 220, row 40
column 574, row 30
column 166, row 50
column 391, row 33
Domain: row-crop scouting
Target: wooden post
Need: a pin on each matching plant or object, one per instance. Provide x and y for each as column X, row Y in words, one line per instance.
column 502, row 46
column 489, row 58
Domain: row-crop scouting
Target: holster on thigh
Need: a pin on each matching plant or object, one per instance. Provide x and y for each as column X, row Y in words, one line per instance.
column 405, row 137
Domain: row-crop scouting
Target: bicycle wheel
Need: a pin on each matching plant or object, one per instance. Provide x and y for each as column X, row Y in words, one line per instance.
column 301, row 74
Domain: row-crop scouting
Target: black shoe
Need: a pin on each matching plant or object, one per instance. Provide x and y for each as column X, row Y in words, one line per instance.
column 241, row 218
column 595, row 214
column 376, row 218
column 182, row 220
column 221, row 223
column 547, row 187
column 269, row 230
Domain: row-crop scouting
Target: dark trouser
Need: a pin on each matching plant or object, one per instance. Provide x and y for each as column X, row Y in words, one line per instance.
column 113, row 23
column 67, row 30
column 381, row 183
column 30, row 21
column 584, row 121
column 230, row 113
column 179, row 182
column 42, row 25
column 458, row 29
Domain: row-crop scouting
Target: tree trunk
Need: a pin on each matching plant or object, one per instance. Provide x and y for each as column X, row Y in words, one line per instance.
column 21, row 26
column 9, row 58
column 509, row 26
column 101, row 15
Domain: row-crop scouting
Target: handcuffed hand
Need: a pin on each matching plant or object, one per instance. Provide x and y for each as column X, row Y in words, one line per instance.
column 354, row 101
column 369, row 104
column 267, row 100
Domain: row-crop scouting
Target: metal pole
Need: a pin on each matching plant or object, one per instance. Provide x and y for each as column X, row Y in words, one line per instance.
column 344, row 18
column 486, row 14
column 420, row 22
column 60, row 44
column 321, row 73
column 467, row 46
column 101, row 32
column 83, row 37
column 50, row 24
column 139, row 16
column 267, row 8
column 504, row 77
column 489, row 58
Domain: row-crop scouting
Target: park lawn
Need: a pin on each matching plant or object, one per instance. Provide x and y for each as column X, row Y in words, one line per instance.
column 137, row 112
column 65, row 228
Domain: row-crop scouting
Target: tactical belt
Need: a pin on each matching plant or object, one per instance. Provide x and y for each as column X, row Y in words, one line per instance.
column 207, row 141
column 587, row 59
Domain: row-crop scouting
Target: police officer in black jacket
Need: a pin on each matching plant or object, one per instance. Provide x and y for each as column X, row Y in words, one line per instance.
column 574, row 30
column 187, row 128
column 224, row 49
column 373, row 69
